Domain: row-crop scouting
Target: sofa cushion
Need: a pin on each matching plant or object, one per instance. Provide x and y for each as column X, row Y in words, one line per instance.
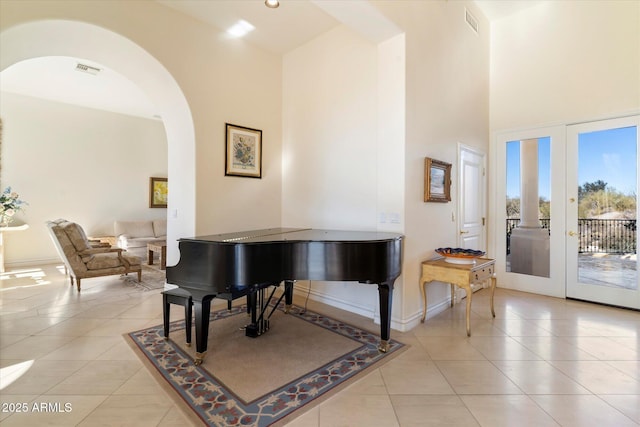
column 140, row 242
column 134, row 229
column 160, row 228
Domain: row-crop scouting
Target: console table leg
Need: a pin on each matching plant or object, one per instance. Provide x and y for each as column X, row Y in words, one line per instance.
column 423, row 290
column 469, row 292
column 493, row 290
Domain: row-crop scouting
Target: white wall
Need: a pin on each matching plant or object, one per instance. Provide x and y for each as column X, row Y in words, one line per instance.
column 85, row 165
column 329, row 148
column 565, row 61
column 330, row 166
column 447, row 101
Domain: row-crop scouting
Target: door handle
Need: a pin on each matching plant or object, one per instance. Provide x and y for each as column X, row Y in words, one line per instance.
column 572, row 233
column 464, row 232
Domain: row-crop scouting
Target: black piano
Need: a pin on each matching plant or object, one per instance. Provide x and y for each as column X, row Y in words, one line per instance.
column 244, row 264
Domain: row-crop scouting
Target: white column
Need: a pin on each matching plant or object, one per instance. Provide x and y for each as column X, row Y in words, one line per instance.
column 529, row 198
column 530, row 244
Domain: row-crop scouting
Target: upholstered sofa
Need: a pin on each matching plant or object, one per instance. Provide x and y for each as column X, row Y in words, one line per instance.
column 133, row 236
column 85, row 259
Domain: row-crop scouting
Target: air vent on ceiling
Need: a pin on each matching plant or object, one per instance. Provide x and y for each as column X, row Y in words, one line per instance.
column 471, row 20
column 87, row 69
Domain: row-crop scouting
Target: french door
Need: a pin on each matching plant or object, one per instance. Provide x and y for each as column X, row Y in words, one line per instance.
column 529, row 225
column 568, row 195
column 602, row 209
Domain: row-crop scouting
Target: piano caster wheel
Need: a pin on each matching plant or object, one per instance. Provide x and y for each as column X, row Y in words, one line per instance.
column 287, row 308
column 188, row 344
column 199, row 358
column 384, row 346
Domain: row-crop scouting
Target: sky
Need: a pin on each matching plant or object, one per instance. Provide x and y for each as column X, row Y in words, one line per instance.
column 608, row 155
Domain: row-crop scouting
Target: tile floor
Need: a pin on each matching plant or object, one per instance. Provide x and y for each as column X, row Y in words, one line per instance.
column 541, row 362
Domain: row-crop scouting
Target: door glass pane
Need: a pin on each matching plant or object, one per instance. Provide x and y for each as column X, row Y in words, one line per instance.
column 528, row 206
column 607, row 197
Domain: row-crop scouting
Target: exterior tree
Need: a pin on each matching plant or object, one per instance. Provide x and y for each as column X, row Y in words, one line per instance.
column 591, row 187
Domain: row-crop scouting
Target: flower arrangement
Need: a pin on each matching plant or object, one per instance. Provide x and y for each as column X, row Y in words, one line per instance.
column 10, row 203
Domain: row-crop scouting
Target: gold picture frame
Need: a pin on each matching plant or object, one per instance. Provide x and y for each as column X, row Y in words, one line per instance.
column 158, row 192
column 437, row 181
column 243, row 155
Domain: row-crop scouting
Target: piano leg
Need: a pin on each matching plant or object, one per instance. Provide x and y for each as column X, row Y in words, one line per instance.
column 288, row 295
column 202, row 309
column 385, row 293
column 254, row 307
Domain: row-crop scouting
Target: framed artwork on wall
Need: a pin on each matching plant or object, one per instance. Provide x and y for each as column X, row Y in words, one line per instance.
column 158, row 192
column 243, row 155
column 437, row 181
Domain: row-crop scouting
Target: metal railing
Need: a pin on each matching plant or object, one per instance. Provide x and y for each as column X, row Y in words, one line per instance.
column 613, row 236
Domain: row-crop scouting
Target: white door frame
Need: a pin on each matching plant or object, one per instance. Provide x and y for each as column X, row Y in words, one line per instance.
column 555, row 284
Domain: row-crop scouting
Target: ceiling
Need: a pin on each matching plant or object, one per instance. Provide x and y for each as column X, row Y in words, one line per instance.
column 302, row 19
column 498, row 9
column 55, row 78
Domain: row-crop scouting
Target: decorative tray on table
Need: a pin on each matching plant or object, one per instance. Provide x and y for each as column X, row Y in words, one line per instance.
column 459, row 255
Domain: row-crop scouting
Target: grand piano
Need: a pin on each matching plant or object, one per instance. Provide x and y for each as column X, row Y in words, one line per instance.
column 244, row 264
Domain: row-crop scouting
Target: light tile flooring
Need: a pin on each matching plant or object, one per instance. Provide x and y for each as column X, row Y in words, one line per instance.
column 541, row 362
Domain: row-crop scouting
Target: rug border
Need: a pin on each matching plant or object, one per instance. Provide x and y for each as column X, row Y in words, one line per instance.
column 193, row 415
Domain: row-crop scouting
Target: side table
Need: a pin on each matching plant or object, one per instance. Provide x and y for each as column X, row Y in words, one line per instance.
column 461, row 275
column 2, row 231
column 157, row 246
column 110, row 240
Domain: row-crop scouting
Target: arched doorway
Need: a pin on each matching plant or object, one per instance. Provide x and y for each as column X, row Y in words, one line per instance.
column 78, row 39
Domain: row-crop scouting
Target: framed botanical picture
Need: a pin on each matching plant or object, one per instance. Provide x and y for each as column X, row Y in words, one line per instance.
column 158, row 192
column 243, row 152
column 437, row 181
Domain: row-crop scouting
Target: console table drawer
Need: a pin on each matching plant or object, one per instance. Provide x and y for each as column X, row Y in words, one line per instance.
column 483, row 274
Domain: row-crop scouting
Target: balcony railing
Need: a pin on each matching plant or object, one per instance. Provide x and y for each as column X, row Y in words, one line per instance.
column 612, row 236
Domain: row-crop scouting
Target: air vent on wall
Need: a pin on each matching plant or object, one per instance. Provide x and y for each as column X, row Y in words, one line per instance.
column 471, row 20
column 87, row 69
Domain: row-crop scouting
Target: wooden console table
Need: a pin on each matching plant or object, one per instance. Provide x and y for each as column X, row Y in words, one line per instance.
column 158, row 246
column 461, row 275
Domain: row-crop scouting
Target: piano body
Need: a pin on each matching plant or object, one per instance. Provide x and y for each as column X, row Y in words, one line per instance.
column 234, row 265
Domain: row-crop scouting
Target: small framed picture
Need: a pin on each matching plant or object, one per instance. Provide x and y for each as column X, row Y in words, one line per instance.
column 437, row 181
column 243, row 152
column 158, row 192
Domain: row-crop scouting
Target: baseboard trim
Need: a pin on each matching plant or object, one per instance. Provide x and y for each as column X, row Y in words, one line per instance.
column 30, row 263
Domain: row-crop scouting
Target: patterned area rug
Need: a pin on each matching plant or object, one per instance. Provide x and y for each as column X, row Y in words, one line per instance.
column 304, row 358
column 152, row 278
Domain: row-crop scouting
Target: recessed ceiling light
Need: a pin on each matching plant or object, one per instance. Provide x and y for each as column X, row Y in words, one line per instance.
column 240, row 28
column 272, row 3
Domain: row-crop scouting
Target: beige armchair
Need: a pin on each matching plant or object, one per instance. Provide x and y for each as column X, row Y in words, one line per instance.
column 84, row 259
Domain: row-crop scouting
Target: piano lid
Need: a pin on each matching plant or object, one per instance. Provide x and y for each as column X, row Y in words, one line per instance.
column 296, row 234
